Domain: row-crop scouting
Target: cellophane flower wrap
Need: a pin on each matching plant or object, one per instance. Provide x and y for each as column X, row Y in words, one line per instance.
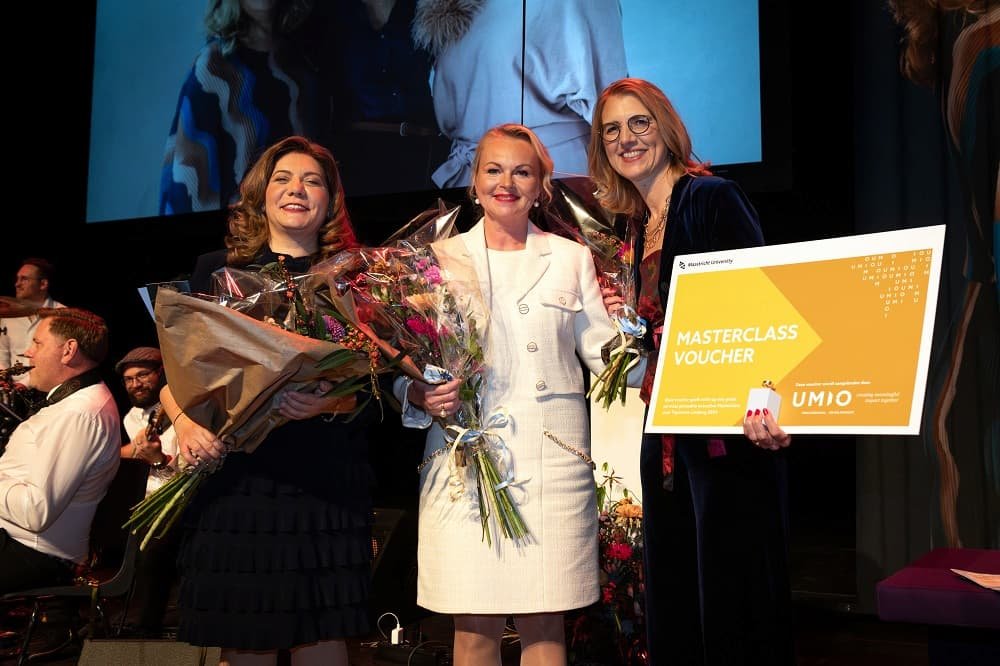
column 612, row 630
column 411, row 306
column 614, row 260
column 229, row 357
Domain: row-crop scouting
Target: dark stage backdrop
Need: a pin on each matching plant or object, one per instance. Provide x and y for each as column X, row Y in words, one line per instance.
column 930, row 154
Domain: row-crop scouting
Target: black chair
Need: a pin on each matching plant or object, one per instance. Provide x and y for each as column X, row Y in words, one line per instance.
column 111, row 565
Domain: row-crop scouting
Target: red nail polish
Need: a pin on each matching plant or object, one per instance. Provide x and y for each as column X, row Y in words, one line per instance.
column 749, row 412
column 766, row 412
column 756, row 412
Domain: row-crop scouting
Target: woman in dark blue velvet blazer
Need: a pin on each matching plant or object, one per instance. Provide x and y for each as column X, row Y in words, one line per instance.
column 715, row 509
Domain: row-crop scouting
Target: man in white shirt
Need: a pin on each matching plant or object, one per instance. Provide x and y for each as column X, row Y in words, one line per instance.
column 142, row 373
column 31, row 285
column 59, row 462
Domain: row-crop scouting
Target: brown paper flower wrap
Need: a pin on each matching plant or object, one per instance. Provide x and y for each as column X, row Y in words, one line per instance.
column 227, row 371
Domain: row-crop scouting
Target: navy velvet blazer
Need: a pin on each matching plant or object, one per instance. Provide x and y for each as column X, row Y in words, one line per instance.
column 707, row 213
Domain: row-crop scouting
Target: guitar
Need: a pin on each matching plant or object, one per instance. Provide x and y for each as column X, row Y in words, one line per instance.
column 157, row 424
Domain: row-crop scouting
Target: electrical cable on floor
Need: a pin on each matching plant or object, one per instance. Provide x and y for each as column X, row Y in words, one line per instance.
column 397, row 631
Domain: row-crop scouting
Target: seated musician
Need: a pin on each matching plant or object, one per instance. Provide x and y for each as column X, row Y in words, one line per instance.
column 59, row 462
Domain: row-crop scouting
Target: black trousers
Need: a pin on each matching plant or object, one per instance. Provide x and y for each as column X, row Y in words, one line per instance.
column 22, row 567
column 156, row 573
column 715, row 555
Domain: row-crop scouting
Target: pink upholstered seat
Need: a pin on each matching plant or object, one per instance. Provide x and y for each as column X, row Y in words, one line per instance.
column 928, row 592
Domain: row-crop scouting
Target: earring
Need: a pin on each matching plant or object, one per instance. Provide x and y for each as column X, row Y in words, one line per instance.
column 476, row 200
column 536, row 204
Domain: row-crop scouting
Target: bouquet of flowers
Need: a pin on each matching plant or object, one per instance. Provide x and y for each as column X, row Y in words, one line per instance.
column 229, row 357
column 614, row 261
column 616, row 620
column 410, row 306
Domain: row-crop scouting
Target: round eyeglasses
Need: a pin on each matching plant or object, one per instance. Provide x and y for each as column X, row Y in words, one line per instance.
column 638, row 125
column 141, row 377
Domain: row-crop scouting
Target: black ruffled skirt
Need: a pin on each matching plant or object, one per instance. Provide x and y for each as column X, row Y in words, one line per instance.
column 277, row 544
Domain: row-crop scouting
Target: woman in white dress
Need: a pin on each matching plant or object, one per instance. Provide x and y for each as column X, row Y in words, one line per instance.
column 545, row 315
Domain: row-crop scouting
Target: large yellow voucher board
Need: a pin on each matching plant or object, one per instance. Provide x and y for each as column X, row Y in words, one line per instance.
column 840, row 328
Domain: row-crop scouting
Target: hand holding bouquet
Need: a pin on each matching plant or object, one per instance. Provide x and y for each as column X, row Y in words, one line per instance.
column 402, row 297
column 614, row 261
column 228, row 367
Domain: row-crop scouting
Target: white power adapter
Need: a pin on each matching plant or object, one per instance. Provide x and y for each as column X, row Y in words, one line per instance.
column 396, row 635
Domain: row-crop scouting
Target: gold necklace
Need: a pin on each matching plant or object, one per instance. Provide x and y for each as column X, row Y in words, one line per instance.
column 651, row 236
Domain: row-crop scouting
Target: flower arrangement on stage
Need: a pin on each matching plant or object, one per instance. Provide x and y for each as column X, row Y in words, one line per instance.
column 614, row 262
column 411, row 306
column 612, row 631
column 230, row 356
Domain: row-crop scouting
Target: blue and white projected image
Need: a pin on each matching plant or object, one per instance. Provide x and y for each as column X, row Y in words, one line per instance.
column 182, row 103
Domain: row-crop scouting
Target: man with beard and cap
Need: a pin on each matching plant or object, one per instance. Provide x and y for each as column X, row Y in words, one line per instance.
column 152, row 440
column 142, row 373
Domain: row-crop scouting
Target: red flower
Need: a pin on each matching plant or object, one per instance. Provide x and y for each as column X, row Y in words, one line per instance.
column 619, row 551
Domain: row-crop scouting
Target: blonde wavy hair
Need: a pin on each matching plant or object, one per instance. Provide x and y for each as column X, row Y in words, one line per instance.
column 226, row 20
column 615, row 192
column 522, row 133
column 248, row 228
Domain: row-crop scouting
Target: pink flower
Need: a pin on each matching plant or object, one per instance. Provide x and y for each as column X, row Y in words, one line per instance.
column 433, row 275
column 422, row 326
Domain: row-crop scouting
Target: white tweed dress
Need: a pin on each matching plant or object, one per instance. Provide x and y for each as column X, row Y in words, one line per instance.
column 541, row 314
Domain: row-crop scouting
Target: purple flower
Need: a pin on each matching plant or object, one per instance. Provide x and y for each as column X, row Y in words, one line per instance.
column 334, row 328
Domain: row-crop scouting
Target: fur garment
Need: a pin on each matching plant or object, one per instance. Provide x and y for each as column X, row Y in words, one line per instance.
column 440, row 23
